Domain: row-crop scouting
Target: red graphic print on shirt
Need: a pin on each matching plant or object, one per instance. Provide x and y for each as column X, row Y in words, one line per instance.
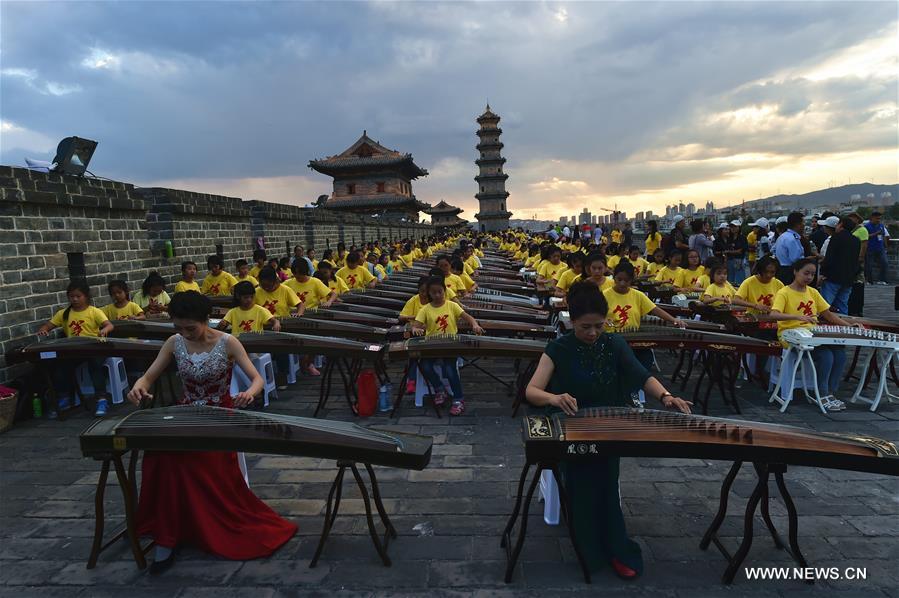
column 246, row 325
column 77, row 327
column 805, row 307
column 442, row 322
column 303, row 296
column 767, row 299
column 351, row 280
column 621, row 313
column 214, row 289
column 270, row 305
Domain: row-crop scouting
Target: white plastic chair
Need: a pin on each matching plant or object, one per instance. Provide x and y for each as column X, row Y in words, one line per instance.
column 116, row 379
column 549, row 494
column 240, row 381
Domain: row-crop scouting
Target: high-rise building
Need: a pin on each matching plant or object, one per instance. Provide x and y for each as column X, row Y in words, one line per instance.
column 492, row 213
column 691, row 209
column 709, row 207
column 584, row 217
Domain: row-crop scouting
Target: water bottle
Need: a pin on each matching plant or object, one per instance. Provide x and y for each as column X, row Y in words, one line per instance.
column 384, row 398
column 169, row 249
column 37, row 408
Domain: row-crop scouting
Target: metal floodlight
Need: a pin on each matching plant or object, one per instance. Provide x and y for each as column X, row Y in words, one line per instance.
column 73, row 154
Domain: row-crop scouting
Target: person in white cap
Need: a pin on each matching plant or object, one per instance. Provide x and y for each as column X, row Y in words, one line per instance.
column 759, row 244
column 678, row 236
column 829, row 226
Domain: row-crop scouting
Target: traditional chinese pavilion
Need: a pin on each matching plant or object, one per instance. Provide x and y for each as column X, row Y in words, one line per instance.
column 372, row 179
column 445, row 216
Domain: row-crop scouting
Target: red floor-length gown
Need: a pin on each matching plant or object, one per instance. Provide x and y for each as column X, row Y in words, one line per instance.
column 201, row 498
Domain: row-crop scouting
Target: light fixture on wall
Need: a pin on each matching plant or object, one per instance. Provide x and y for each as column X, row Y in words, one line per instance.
column 73, row 154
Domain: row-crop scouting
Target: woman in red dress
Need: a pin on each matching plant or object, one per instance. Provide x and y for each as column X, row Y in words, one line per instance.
column 201, row 498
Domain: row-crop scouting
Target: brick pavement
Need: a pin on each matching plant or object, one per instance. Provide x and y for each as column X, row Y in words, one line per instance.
column 449, row 516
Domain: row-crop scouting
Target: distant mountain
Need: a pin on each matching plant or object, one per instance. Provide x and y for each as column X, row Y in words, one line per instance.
column 831, row 197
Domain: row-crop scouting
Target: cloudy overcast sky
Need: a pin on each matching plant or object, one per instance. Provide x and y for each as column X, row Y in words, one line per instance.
column 603, row 104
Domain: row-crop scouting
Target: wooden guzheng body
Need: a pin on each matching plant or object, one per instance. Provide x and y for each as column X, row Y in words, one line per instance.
column 329, row 327
column 465, row 345
column 600, row 433
column 669, row 337
column 375, row 320
column 84, row 347
column 206, row 428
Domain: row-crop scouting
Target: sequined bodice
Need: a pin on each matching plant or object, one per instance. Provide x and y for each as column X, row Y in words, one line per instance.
column 205, row 377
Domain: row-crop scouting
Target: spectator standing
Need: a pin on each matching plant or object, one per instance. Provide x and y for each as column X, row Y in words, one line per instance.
column 679, row 237
column 857, row 296
column 699, row 242
column 788, row 247
column 735, row 250
column 876, row 256
column 819, row 235
column 829, row 227
column 628, row 235
column 762, row 241
column 653, row 238
column 840, row 265
column 720, row 241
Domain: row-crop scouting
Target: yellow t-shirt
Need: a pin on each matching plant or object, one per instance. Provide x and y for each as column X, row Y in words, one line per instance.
column 808, row 303
column 121, row 313
column 617, row 236
column 440, row 320
column 467, row 269
column 640, row 265
column 472, row 262
column 613, row 261
column 338, row 286
column 606, row 284
column 355, row 278
column 704, row 281
column 255, row 270
column 551, row 271
column 653, row 242
column 412, row 307
column 312, row 292
column 466, row 280
column 160, row 299
column 251, row 320
column 754, row 291
column 625, row 311
column 340, row 262
column 218, row 285
column 667, row 274
column 183, row 285
column 249, row 278
column 407, row 259
column 381, row 270
column 688, row 278
column 397, row 265
column 279, row 302
column 727, row 290
column 86, row 322
column 751, row 239
column 532, row 261
column 454, row 282
column 653, row 269
column 568, row 278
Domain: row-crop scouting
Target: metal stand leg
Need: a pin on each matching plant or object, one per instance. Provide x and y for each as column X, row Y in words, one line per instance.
column 712, row 531
column 401, row 391
column 569, row 522
column 324, row 391
column 99, row 516
column 331, row 508
column 130, row 507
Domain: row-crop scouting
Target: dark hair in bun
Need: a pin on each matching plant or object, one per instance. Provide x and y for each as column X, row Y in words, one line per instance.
column 190, row 305
column 626, row 267
column 585, row 298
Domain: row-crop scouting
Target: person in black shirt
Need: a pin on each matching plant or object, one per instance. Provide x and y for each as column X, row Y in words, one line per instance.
column 840, row 266
column 735, row 251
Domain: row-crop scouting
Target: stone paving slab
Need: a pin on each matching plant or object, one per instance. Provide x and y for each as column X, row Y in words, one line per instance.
column 449, row 516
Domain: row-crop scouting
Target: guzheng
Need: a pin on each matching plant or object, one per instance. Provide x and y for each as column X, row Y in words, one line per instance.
column 464, row 345
column 286, row 342
column 370, row 299
column 669, row 337
column 375, row 320
column 500, row 328
column 83, row 347
column 498, row 312
column 490, row 296
column 206, row 428
column 362, row 309
column 325, row 327
column 840, row 336
column 628, row 432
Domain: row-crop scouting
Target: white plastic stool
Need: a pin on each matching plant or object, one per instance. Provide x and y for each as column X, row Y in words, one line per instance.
column 293, row 368
column 263, row 364
column 795, row 362
column 116, row 379
column 422, row 387
column 549, row 494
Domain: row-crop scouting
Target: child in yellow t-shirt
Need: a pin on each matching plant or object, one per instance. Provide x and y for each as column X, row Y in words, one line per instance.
column 573, row 274
column 243, row 273
column 259, row 260
column 440, row 316
column 217, row 283
column 595, row 270
column 80, row 318
column 451, row 281
column 658, row 262
column 687, row 279
column 799, row 304
column 458, row 268
column 719, row 291
column 355, row 275
column 277, row 298
column 640, row 265
column 311, row 291
column 552, row 268
column 151, row 297
column 247, row 315
column 122, row 307
column 394, row 263
column 325, row 273
column 668, row 274
column 759, row 289
column 188, row 276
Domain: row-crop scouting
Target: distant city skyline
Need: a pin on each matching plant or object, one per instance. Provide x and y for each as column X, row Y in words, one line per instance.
column 630, row 108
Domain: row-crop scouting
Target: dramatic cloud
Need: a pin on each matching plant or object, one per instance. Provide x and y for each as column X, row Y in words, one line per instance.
column 634, row 104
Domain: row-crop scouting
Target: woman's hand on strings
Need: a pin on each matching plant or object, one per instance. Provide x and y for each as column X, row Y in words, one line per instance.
column 138, row 395
column 672, row 402
column 242, row 399
column 565, row 402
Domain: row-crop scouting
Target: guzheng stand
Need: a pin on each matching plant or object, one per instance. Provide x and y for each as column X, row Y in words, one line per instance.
column 512, row 553
column 333, row 506
column 349, row 370
column 759, row 498
column 128, row 483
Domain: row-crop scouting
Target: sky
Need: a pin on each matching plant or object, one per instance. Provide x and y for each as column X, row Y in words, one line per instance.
column 604, row 105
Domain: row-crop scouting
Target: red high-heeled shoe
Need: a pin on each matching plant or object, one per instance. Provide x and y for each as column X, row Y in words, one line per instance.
column 623, row 571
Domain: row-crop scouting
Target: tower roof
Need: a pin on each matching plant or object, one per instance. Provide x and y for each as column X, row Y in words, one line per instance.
column 488, row 116
column 367, row 154
column 444, row 208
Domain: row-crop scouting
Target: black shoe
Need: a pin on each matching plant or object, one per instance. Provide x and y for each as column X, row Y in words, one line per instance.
column 160, row 567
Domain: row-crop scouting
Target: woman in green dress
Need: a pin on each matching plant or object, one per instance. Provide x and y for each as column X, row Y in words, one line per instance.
column 585, row 368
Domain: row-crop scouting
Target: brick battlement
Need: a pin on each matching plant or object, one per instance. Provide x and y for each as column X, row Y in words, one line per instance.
column 49, row 221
